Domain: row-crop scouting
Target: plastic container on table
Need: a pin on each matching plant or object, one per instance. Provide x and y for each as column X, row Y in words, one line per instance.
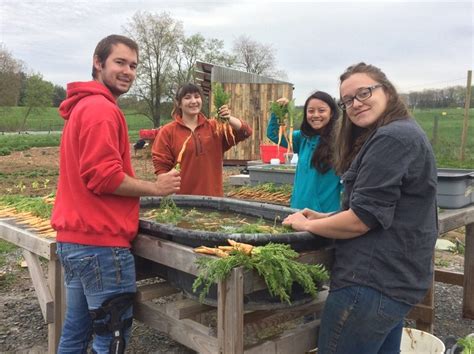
column 455, row 188
column 268, row 152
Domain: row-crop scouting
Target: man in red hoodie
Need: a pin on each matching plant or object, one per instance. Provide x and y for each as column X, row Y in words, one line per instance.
column 97, row 203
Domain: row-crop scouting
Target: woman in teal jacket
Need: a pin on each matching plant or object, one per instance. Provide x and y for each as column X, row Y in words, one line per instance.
column 316, row 186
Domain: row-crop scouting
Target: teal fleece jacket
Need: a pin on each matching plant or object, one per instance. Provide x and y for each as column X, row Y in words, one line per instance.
column 311, row 189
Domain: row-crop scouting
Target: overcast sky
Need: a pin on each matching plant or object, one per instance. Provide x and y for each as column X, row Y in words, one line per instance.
column 425, row 44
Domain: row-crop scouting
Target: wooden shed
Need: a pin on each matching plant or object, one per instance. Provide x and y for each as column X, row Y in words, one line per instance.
column 251, row 95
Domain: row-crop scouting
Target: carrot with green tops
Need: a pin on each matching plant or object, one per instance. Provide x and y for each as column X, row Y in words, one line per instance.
column 280, row 111
column 221, row 98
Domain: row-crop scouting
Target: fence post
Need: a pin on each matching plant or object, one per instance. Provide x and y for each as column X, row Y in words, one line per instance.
column 434, row 140
column 466, row 115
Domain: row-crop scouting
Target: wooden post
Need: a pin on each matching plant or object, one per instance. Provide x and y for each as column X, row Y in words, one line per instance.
column 230, row 313
column 468, row 296
column 55, row 283
column 427, row 308
column 466, row 115
column 434, row 140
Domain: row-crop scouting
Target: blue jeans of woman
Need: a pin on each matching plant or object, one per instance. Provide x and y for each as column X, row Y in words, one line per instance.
column 92, row 275
column 361, row 320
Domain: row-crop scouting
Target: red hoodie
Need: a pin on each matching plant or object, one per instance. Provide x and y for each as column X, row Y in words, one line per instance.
column 94, row 158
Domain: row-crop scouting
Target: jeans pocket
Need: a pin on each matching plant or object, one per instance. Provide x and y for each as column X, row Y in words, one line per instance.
column 89, row 271
column 392, row 310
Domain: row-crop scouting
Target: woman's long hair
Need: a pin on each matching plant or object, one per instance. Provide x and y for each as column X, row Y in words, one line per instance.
column 322, row 155
column 349, row 137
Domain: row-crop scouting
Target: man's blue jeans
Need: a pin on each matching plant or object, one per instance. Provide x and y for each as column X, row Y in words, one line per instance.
column 360, row 319
column 92, row 275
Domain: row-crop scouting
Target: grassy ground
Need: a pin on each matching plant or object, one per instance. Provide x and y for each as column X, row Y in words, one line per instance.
column 446, row 139
column 48, row 119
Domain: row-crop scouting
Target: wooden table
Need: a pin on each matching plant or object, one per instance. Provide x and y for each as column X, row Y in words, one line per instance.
column 50, row 290
column 179, row 318
column 451, row 219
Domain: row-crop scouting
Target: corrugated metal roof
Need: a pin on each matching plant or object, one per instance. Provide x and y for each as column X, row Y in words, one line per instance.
column 207, row 73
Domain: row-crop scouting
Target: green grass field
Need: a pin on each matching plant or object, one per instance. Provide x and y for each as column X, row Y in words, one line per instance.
column 48, row 119
column 447, row 145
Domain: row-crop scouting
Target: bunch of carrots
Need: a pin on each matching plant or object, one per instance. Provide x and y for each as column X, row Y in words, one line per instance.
column 264, row 192
column 276, row 263
column 286, row 114
column 30, row 213
column 221, row 98
column 225, row 251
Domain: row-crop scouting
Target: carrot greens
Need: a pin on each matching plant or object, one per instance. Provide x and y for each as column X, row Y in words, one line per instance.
column 276, row 263
column 221, row 98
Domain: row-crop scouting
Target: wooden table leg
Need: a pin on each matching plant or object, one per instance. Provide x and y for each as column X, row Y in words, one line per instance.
column 55, row 283
column 426, row 308
column 468, row 296
column 230, row 313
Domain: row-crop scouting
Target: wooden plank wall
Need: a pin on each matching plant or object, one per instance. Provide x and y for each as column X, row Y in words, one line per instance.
column 251, row 102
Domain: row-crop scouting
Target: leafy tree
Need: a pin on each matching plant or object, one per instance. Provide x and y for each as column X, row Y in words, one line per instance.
column 158, row 37
column 167, row 59
column 38, row 94
column 59, row 94
column 254, row 57
column 193, row 48
column 454, row 96
column 10, row 79
column 214, row 53
column 23, row 81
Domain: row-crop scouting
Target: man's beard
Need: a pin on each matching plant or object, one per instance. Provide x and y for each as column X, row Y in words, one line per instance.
column 116, row 91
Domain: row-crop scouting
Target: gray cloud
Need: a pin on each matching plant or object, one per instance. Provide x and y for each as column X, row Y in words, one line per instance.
column 418, row 44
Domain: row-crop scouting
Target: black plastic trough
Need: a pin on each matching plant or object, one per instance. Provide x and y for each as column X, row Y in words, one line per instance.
column 299, row 241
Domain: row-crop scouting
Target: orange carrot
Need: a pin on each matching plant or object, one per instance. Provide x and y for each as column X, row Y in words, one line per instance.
column 211, row 251
column 180, row 155
column 242, row 247
column 290, row 141
column 231, row 133
column 280, row 133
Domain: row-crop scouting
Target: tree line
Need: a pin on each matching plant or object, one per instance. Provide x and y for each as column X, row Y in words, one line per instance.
column 449, row 97
column 167, row 60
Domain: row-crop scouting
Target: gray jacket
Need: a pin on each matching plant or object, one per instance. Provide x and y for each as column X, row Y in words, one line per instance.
column 391, row 187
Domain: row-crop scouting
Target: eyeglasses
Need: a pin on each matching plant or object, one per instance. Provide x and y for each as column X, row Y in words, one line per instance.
column 361, row 95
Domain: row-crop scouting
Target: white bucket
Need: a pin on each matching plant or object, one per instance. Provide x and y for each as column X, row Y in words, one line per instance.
column 416, row 341
column 274, row 161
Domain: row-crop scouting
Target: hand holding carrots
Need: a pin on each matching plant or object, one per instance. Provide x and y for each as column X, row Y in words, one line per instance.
column 283, row 101
column 224, row 112
column 168, row 183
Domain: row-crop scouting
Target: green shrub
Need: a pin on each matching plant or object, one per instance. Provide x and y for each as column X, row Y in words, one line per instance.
column 4, row 151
